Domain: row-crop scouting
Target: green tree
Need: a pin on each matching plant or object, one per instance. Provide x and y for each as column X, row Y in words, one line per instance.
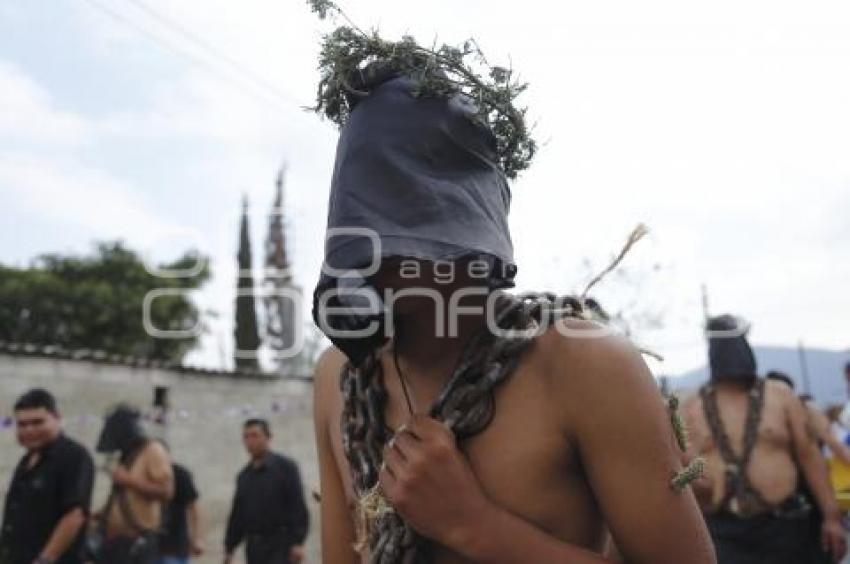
column 96, row 302
column 245, row 330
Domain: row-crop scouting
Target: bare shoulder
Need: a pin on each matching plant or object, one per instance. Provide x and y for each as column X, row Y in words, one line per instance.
column 589, row 355
column 329, row 364
column 155, row 460
column 615, row 415
column 154, row 451
column 588, row 364
column 813, row 409
column 816, row 414
column 782, row 393
column 326, row 380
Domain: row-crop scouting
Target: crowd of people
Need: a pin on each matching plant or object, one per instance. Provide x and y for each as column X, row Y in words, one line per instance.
column 765, row 494
column 152, row 514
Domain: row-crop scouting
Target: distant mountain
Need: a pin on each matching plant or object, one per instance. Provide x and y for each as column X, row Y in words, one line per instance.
column 825, row 369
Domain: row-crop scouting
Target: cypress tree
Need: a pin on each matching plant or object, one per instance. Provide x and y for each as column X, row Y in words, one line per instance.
column 245, row 328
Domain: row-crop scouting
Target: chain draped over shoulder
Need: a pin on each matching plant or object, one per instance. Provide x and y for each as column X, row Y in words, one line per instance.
column 465, row 405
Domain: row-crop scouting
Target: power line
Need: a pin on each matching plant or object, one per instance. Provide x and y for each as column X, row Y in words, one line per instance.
column 264, row 95
column 210, row 48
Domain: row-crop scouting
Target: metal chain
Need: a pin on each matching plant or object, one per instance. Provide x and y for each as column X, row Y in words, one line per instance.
column 465, row 405
column 740, row 495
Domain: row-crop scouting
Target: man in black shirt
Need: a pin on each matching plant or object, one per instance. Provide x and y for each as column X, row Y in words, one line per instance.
column 48, row 501
column 180, row 525
column 268, row 510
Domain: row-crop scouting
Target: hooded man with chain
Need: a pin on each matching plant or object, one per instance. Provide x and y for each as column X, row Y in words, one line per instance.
column 456, row 422
column 753, row 434
column 142, row 482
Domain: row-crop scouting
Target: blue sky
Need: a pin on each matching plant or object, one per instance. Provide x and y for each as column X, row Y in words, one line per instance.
column 723, row 127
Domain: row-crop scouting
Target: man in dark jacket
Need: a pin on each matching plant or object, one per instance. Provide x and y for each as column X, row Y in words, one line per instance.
column 48, row 501
column 268, row 510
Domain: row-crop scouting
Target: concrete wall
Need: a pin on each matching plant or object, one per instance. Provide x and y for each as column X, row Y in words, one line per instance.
column 203, row 427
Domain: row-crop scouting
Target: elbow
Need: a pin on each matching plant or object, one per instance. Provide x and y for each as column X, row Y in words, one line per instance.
column 168, row 494
column 75, row 519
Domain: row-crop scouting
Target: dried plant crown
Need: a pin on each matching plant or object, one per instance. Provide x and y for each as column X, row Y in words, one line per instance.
column 352, row 61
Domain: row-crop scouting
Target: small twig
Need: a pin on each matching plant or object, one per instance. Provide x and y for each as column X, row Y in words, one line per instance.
column 636, row 235
column 690, row 473
column 679, row 427
column 651, row 353
column 371, row 506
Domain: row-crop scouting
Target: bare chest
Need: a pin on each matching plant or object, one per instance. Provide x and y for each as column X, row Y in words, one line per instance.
column 523, row 460
column 145, row 511
column 772, row 431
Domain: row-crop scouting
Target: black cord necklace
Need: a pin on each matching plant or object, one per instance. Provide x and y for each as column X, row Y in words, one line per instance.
column 402, row 379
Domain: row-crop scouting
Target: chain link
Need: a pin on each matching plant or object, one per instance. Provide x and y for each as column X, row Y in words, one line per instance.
column 465, row 405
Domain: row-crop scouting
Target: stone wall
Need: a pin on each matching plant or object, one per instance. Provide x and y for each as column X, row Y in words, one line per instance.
column 203, row 426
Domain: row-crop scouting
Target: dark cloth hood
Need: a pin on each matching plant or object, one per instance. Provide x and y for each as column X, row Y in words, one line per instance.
column 122, row 431
column 729, row 353
column 414, row 177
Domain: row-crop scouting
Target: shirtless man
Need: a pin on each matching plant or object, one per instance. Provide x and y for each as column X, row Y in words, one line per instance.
column 821, row 430
column 579, row 443
column 142, row 482
column 752, row 433
column 817, row 423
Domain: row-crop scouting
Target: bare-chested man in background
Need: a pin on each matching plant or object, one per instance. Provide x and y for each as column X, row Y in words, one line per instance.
column 817, row 422
column 753, row 434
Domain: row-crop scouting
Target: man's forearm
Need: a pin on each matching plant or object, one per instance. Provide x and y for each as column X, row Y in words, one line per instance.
column 839, row 450
column 301, row 524
column 815, row 472
column 233, row 533
column 194, row 520
column 500, row 537
column 64, row 534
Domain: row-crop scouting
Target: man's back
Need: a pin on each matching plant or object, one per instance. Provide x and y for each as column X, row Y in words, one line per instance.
column 543, row 455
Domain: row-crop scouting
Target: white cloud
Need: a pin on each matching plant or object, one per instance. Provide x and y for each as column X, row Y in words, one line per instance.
column 30, row 115
column 45, row 173
column 72, row 194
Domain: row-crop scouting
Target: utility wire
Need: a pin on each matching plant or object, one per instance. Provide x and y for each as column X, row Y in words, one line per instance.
column 205, row 45
column 263, row 93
